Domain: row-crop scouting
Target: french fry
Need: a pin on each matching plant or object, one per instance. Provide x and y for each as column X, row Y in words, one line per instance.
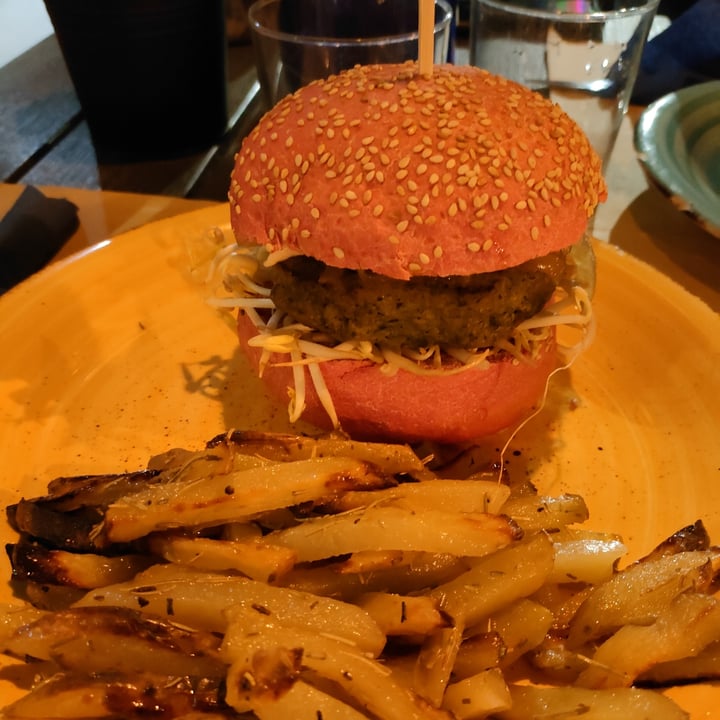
column 403, row 615
column 472, row 496
column 302, row 701
column 570, row 702
column 390, row 527
column 97, row 696
column 250, row 637
column 534, row 512
column 687, row 539
column 522, row 626
column 369, row 561
column 390, row 458
column 497, row 580
column 122, row 641
column 415, row 572
column 236, row 496
column 327, row 577
column 200, row 600
column 478, row 696
column 435, row 662
column 640, row 593
column 690, row 623
column 584, row 556
column 703, row 666
column 477, row 654
column 39, row 564
column 255, row 558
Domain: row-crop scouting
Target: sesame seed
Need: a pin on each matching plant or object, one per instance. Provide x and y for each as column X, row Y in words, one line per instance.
column 473, row 247
column 487, row 245
column 338, row 252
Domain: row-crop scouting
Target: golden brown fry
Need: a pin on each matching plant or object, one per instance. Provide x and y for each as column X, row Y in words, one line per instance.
column 522, row 626
column 369, row 561
column 435, row 662
column 392, row 527
column 639, row 594
column 533, row 512
column 39, row 564
column 415, row 572
column 251, row 637
column 477, row 654
column 497, row 580
column 571, row 702
column 255, row 558
column 585, row 556
column 390, row 458
column 200, row 600
column 703, row 666
column 403, row 615
column 96, row 639
column 470, row 496
column 688, row 624
column 478, row 696
column 233, row 497
column 304, row 702
column 74, row 697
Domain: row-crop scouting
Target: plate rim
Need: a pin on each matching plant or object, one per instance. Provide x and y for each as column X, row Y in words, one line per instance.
column 205, row 217
column 673, row 181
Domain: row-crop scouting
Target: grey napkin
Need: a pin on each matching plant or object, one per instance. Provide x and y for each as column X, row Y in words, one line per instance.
column 31, row 232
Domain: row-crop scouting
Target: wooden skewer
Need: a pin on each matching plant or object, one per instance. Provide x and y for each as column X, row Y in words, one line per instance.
column 426, row 33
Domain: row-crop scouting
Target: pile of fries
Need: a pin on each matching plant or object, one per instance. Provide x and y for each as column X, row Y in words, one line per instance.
column 280, row 576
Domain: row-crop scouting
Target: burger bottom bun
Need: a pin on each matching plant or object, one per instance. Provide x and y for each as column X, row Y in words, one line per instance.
column 404, row 406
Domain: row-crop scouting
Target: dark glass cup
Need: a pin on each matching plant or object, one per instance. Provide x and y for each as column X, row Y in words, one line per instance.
column 297, row 41
column 151, row 75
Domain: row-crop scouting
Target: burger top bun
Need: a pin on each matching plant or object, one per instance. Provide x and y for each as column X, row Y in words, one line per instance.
column 384, row 169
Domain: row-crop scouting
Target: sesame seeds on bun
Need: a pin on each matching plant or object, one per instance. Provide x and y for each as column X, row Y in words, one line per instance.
column 408, row 246
column 383, row 169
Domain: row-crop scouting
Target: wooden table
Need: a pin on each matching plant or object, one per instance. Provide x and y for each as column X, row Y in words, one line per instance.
column 44, row 139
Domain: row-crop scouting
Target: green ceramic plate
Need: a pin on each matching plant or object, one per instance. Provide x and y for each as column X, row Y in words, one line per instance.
column 678, row 142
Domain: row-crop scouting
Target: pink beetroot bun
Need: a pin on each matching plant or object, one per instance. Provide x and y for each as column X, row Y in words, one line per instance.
column 449, row 408
column 383, row 169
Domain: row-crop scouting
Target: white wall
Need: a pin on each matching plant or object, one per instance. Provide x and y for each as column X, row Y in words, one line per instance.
column 23, row 23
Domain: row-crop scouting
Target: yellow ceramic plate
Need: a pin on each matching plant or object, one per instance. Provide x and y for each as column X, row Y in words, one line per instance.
column 113, row 356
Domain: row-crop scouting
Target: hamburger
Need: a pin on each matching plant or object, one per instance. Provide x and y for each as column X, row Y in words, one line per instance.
column 408, row 245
